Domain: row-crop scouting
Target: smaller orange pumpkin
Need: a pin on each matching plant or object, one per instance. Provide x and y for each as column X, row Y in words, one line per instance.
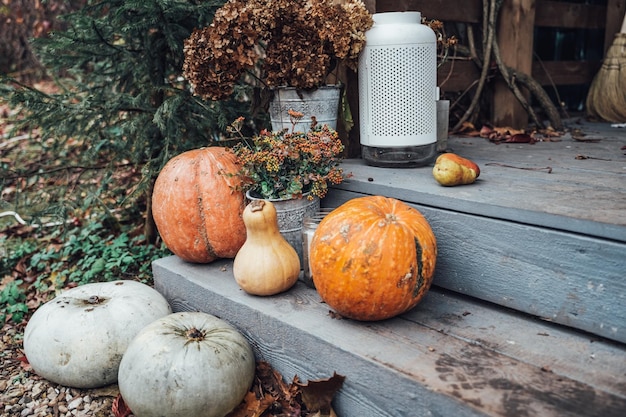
column 196, row 208
column 373, row 258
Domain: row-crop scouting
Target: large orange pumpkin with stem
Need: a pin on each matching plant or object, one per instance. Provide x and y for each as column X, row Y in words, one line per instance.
column 196, row 206
column 373, row 258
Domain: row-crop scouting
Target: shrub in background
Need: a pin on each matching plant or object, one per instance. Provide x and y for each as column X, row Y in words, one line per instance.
column 122, row 97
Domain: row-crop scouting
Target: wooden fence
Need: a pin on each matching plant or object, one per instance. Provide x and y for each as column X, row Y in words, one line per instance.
column 516, row 24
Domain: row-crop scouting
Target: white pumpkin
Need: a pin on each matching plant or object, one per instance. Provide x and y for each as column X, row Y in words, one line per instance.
column 186, row 364
column 78, row 338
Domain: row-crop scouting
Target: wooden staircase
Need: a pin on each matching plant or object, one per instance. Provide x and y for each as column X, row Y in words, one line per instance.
column 527, row 314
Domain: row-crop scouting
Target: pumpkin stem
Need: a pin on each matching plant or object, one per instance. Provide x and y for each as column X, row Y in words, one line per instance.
column 257, row 205
column 389, row 218
column 195, row 335
column 94, row 299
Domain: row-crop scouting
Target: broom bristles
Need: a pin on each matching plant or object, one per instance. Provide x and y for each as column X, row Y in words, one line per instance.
column 607, row 94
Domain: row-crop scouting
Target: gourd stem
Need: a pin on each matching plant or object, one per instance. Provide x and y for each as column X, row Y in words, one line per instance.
column 95, row 299
column 257, row 205
column 195, row 334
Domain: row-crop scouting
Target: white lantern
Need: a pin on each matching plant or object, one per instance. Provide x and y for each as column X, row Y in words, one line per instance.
column 397, row 91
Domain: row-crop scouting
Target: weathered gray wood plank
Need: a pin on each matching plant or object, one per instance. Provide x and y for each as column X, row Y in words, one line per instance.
column 560, row 200
column 448, row 356
column 547, row 244
column 525, row 339
column 586, row 196
column 563, row 277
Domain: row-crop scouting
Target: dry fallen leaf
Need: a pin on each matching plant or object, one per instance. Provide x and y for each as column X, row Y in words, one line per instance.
column 507, row 131
column 466, row 127
column 251, row 406
column 550, row 132
column 119, row 408
column 271, row 396
column 499, row 134
column 590, row 157
column 270, row 382
column 520, row 138
column 318, row 395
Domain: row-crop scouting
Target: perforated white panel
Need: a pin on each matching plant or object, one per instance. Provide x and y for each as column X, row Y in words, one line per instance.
column 401, row 97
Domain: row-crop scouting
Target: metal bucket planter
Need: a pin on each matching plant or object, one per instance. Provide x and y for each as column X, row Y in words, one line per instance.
column 291, row 214
column 322, row 103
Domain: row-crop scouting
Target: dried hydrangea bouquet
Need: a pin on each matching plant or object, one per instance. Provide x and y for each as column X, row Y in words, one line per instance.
column 273, row 43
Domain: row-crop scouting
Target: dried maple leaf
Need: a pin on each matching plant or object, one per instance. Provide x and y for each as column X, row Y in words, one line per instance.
column 271, row 382
column 317, row 395
column 508, row 131
column 486, row 131
column 466, row 127
column 119, row 407
column 252, row 406
column 520, row 138
column 550, row 132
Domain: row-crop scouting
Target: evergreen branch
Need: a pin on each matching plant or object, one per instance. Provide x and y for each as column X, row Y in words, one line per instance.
column 106, row 42
column 102, row 38
column 116, row 64
column 6, row 79
column 63, row 168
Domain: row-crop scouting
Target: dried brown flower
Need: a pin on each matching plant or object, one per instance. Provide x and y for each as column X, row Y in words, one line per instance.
column 444, row 42
column 294, row 43
column 288, row 164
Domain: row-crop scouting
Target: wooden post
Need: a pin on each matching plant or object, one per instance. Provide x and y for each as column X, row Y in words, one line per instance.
column 614, row 17
column 515, row 39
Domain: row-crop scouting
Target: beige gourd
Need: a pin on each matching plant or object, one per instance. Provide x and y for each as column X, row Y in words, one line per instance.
column 266, row 264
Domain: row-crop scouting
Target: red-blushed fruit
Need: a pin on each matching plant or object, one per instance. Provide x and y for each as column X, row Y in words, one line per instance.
column 195, row 205
column 451, row 169
column 373, row 258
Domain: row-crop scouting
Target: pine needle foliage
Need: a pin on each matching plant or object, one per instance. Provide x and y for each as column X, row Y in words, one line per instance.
column 121, row 93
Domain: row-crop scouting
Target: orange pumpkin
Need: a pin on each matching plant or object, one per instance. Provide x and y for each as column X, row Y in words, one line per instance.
column 196, row 210
column 373, row 258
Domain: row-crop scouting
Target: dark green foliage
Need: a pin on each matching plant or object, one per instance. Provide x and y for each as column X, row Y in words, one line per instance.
column 121, row 93
column 119, row 110
column 94, row 253
column 38, row 267
column 12, row 302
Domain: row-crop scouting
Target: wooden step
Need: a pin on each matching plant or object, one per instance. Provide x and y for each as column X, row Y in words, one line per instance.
column 527, row 312
column 548, row 243
column 451, row 355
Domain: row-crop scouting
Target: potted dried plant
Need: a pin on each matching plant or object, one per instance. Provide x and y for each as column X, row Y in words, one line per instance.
column 276, row 43
column 283, row 165
column 290, row 168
